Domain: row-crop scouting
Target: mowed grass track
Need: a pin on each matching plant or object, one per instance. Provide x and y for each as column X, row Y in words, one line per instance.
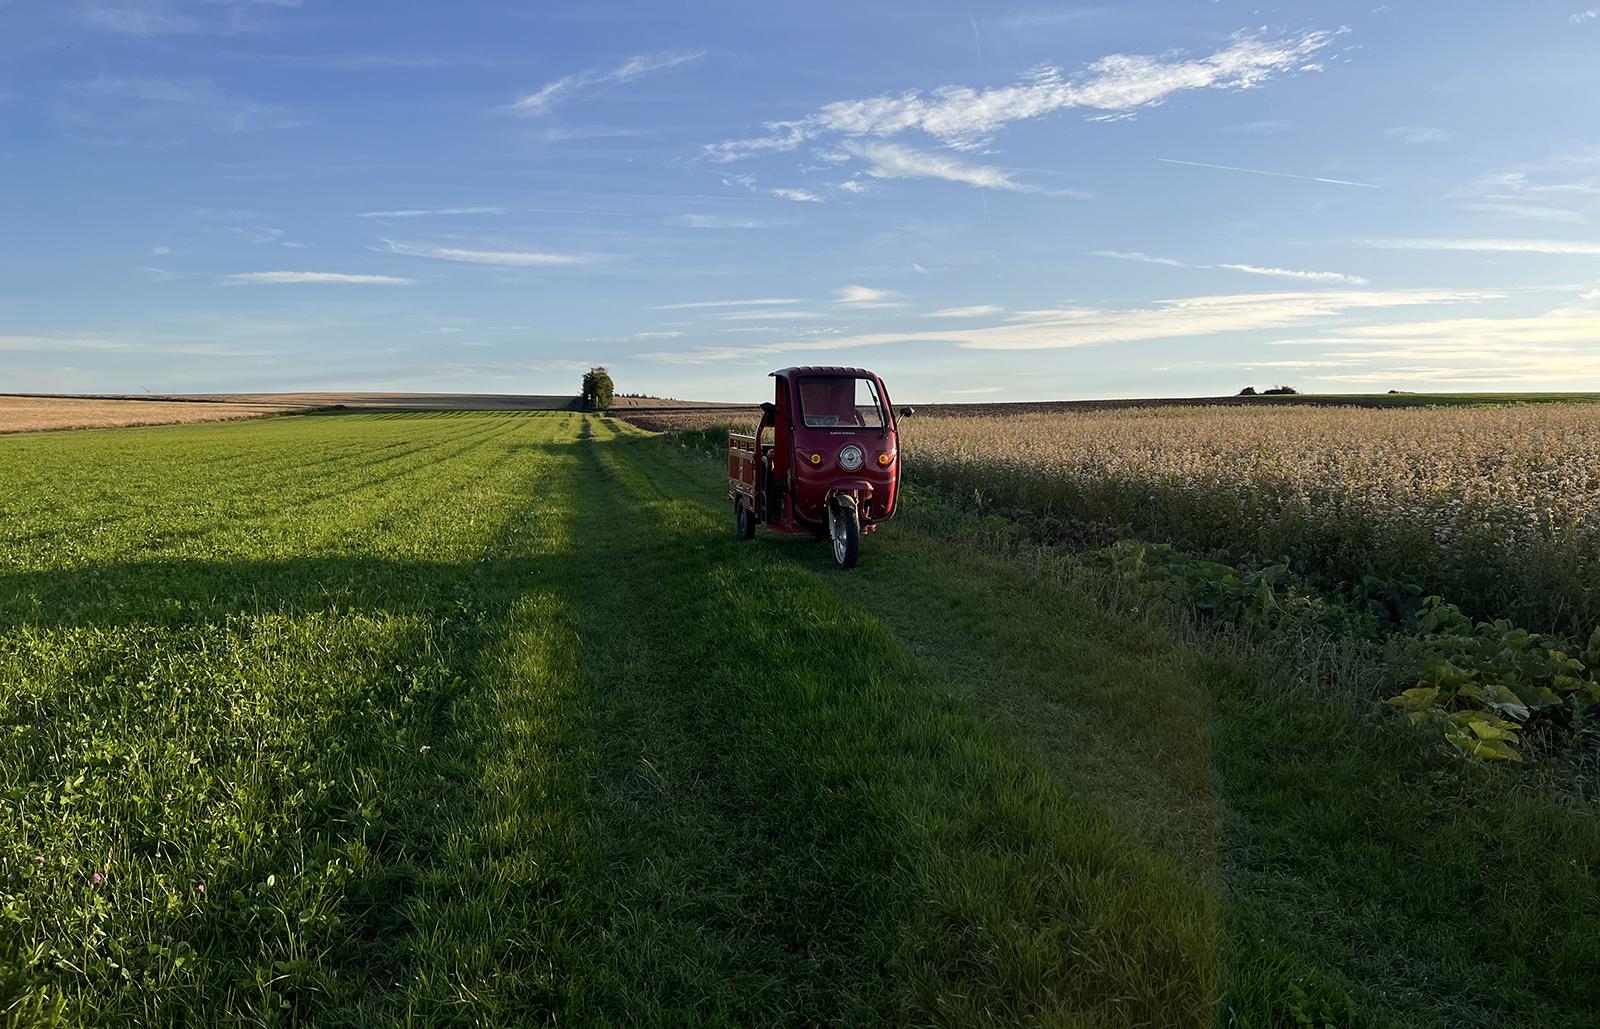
column 464, row 719
column 488, row 719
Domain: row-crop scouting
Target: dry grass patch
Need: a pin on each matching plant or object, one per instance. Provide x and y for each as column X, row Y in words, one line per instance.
column 33, row 414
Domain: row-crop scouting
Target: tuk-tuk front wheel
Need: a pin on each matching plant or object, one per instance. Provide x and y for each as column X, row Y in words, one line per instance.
column 844, row 532
column 744, row 522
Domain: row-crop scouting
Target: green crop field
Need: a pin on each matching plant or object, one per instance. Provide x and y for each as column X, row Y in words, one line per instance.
column 489, row 719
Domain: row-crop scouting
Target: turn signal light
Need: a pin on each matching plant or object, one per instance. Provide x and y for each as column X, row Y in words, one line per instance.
column 883, row 460
column 816, row 458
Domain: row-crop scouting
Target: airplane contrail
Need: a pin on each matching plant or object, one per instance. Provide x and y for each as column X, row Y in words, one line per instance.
column 1258, row 171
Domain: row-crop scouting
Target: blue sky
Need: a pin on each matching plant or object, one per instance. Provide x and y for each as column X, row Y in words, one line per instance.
column 981, row 201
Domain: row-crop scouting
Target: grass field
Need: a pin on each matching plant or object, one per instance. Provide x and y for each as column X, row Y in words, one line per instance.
column 489, row 719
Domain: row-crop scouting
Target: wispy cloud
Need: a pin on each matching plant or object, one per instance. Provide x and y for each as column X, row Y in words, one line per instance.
column 1490, row 246
column 1274, row 174
column 757, row 302
column 975, row 311
column 1291, row 273
column 565, row 88
column 785, row 193
column 893, row 161
column 508, row 258
column 753, row 316
column 1071, row 327
column 259, row 234
column 963, row 117
column 1579, row 17
column 293, row 278
column 1418, row 134
column 971, row 391
column 866, row 297
column 1536, row 212
column 431, row 212
column 1142, row 258
column 717, row 221
column 1248, row 269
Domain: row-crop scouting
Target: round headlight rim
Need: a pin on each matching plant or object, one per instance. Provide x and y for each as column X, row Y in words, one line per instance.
column 852, row 457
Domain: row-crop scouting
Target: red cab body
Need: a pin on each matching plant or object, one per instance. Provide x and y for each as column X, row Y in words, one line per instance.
column 825, row 460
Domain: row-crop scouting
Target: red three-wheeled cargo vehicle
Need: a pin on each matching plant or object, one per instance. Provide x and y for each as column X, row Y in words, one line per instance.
column 829, row 468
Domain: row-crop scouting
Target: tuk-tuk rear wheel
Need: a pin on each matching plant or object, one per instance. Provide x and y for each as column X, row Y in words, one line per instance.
column 744, row 523
column 844, row 533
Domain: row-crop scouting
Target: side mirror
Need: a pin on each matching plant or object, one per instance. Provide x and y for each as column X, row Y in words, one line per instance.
column 769, row 409
column 907, row 412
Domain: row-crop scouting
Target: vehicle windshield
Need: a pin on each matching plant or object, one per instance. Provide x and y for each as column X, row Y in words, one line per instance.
column 840, row 401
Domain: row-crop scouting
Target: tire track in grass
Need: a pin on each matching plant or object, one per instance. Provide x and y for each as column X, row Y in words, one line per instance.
column 799, row 826
column 1114, row 709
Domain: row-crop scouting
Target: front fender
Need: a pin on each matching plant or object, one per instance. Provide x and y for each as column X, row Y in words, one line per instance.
column 852, row 488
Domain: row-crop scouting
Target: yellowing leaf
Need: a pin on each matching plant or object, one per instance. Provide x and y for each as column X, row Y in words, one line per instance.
column 1416, row 698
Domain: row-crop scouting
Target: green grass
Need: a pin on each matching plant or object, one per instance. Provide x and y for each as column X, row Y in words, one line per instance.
column 489, row 720
column 1363, row 876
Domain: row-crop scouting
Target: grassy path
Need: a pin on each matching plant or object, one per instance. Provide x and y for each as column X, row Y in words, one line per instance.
column 490, row 720
column 1355, row 877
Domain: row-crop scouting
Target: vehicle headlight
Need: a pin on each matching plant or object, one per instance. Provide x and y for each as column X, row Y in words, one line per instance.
column 850, row 458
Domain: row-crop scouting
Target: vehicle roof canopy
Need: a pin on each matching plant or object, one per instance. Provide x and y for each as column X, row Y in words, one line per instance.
column 818, row 369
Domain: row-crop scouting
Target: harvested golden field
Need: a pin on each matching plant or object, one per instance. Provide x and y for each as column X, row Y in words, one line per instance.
column 1496, row 508
column 404, row 401
column 32, row 414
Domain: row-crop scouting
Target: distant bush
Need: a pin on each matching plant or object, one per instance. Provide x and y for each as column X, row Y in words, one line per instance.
column 597, row 389
column 1280, row 391
column 1248, row 391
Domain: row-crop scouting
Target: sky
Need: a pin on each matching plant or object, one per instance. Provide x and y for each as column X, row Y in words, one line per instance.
column 979, row 201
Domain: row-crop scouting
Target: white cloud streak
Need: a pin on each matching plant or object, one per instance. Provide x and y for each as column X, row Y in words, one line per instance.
column 1490, row 246
column 506, row 258
column 1415, row 134
column 1290, row 273
column 757, row 302
column 565, row 88
column 1142, row 258
column 893, row 161
column 1536, row 212
column 865, row 297
column 963, row 117
column 1248, row 269
column 290, row 278
column 431, row 212
column 975, row 311
column 716, row 221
